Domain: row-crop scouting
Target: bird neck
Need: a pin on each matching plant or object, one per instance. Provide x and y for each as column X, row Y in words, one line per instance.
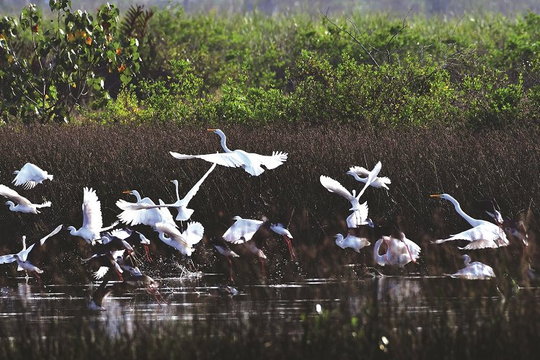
column 223, row 142
column 176, row 189
column 467, row 260
column 457, row 206
column 380, row 259
column 12, row 206
column 72, row 230
column 137, row 195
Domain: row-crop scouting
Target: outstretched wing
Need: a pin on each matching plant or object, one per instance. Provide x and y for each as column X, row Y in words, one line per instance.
column 91, row 209
column 193, row 233
column 335, row 187
column 29, row 175
column 6, row 259
column 359, row 170
column 242, row 230
column 13, row 195
column 371, row 178
column 270, row 161
column 224, row 159
column 191, row 193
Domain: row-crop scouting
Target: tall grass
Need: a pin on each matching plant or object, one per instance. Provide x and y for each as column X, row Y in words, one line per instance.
column 471, row 166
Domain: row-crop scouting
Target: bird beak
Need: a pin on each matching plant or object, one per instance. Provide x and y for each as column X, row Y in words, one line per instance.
column 210, row 130
column 126, row 192
column 435, row 195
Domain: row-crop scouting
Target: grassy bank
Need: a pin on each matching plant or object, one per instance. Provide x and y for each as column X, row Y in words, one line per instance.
column 471, row 166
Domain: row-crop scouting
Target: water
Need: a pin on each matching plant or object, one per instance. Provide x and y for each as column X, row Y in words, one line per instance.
column 280, row 304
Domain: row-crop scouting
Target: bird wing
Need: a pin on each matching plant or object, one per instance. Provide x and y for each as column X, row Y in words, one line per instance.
column 6, row 259
column 242, row 230
column 23, row 254
column 172, row 233
column 224, row 159
column 480, row 244
column 91, row 209
column 13, row 195
column 191, row 193
column 335, row 187
column 121, row 233
column 254, row 161
column 371, row 178
column 359, row 216
column 359, row 170
column 51, row 234
column 28, row 175
column 193, row 233
column 146, row 214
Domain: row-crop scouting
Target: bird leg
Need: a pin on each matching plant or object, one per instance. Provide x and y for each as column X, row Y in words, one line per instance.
column 410, row 255
column 147, row 250
column 263, row 272
column 153, row 290
column 291, row 250
column 231, row 269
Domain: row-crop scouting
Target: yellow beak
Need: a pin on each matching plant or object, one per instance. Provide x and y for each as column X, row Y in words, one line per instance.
column 435, row 195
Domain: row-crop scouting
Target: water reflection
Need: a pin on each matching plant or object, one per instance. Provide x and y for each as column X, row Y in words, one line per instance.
column 205, row 298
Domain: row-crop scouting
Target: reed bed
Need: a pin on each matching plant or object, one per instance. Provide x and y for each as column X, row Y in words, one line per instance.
column 471, row 166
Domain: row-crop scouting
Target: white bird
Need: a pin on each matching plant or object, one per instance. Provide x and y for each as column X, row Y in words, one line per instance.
column 182, row 242
column 251, row 162
column 483, row 235
column 252, row 247
column 474, row 271
column 399, row 252
column 30, row 175
column 22, row 257
column 361, row 174
column 145, row 216
column 224, row 250
column 23, row 204
column 184, row 213
column 243, row 231
column 354, row 242
column 359, row 215
column 92, row 226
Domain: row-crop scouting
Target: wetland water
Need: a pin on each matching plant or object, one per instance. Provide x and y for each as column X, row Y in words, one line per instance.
column 282, row 305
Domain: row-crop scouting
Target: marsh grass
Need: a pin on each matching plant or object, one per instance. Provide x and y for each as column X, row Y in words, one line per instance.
column 471, row 166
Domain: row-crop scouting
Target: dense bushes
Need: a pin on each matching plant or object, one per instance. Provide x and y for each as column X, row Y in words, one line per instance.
column 210, row 68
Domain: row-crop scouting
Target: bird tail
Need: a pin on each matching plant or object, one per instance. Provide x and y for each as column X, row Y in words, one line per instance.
column 45, row 204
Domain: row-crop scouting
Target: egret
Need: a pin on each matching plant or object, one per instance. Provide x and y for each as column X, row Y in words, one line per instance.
column 30, row 175
column 399, row 252
column 24, row 257
column 252, row 163
column 143, row 216
column 182, row 242
column 362, row 174
column 92, row 226
column 132, row 211
column 243, row 231
column 359, row 215
column 474, row 271
column 484, row 234
column 131, row 237
column 354, row 242
column 23, row 204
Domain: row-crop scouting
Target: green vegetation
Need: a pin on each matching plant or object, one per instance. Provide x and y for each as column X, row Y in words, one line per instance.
column 368, row 69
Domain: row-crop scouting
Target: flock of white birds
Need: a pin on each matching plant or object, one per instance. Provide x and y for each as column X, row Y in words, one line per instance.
column 113, row 248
